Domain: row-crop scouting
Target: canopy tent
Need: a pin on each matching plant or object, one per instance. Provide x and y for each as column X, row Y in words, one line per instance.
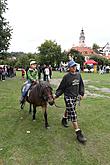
column 91, row 62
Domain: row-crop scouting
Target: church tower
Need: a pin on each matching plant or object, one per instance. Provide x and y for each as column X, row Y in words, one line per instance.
column 82, row 39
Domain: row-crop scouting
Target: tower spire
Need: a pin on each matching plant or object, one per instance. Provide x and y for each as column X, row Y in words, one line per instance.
column 82, row 39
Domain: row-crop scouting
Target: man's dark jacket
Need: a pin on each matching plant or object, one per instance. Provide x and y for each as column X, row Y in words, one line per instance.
column 71, row 85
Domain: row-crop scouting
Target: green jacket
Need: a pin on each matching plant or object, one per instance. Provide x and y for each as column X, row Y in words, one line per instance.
column 32, row 74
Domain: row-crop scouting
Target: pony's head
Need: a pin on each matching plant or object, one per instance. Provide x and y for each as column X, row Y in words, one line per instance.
column 47, row 94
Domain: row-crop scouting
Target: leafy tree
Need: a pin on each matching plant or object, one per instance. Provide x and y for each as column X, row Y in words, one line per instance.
column 95, row 47
column 100, row 60
column 17, row 54
column 50, row 53
column 64, row 56
column 23, row 60
column 77, row 56
column 5, row 29
column 5, row 55
column 18, row 59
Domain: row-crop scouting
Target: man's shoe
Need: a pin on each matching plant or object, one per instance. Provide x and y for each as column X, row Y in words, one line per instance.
column 80, row 137
column 64, row 122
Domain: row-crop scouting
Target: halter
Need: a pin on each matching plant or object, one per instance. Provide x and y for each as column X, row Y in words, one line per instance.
column 46, row 92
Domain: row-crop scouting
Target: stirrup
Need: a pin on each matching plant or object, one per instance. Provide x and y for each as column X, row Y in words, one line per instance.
column 22, row 105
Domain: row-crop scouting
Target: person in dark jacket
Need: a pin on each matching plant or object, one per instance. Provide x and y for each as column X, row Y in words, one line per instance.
column 1, row 73
column 73, row 87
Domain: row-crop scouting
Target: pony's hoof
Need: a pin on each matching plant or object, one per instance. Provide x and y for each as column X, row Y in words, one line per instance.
column 47, row 126
column 34, row 120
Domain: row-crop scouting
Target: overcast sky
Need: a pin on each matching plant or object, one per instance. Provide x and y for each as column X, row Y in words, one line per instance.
column 34, row 21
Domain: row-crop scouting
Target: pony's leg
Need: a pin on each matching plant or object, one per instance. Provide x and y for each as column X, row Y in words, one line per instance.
column 30, row 108
column 45, row 117
column 34, row 112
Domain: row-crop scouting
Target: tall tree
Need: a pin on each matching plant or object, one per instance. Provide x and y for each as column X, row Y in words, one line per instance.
column 50, row 53
column 64, row 56
column 77, row 56
column 101, row 60
column 95, row 47
column 5, row 29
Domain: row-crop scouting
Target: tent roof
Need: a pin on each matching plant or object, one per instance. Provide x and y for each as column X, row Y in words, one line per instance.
column 91, row 62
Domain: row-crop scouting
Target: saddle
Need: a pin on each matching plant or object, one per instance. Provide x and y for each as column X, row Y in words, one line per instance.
column 32, row 85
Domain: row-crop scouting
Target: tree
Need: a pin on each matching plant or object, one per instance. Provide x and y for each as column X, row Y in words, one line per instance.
column 64, row 56
column 101, row 60
column 78, row 58
column 50, row 53
column 5, row 29
column 95, row 47
column 23, row 60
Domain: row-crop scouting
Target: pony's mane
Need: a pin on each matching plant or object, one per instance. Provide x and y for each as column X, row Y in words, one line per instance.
column 41, row 86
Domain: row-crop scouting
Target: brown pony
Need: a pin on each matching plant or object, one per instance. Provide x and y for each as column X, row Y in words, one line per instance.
column 40, row 95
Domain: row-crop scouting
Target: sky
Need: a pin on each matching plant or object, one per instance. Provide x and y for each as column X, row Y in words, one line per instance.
column 34, row 21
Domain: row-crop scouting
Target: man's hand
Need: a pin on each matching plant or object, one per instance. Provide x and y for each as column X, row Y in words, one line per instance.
column 80, row 97
column 54, row 96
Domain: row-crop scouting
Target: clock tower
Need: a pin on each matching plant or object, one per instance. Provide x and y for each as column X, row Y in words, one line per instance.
column 82, row 39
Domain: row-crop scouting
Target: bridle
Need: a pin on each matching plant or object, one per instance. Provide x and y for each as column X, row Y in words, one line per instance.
column 46, row 93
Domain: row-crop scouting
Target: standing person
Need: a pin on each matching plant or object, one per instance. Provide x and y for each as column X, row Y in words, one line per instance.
column 46, row 70
column 43, row 71
column 71, row 85
column 39, row 68
column 8, row 71
column 26, row 72
column 50, row 71
column 1, row 73
column 23, row 73
column 14, row 71
column 32, row 78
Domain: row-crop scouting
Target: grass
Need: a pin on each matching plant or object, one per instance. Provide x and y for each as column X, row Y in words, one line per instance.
column 57, row 145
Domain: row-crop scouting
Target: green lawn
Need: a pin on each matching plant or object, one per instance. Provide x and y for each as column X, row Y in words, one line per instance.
column 57, row 145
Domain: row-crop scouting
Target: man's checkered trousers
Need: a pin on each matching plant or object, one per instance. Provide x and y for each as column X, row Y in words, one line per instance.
column 71, row 108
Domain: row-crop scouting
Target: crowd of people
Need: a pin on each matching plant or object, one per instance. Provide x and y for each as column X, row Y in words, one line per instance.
column 6, row 72
column 104, row 69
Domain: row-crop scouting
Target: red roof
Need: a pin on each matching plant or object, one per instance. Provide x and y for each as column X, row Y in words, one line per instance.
column 84, row 50
column 91, row 62
column 104, row 56
column 108, row 57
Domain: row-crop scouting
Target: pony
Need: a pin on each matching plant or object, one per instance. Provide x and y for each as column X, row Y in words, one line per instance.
column 40, row 95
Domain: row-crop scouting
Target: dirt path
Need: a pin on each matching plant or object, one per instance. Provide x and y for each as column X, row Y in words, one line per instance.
column 55, row 81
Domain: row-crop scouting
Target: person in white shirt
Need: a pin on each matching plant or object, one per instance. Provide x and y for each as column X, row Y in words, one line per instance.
column 46, row 70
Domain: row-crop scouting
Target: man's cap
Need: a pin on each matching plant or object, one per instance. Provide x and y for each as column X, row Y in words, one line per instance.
column 71, row 63
column 32, row 62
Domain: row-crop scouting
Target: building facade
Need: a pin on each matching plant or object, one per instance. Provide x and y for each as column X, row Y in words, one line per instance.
column 105, row 51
